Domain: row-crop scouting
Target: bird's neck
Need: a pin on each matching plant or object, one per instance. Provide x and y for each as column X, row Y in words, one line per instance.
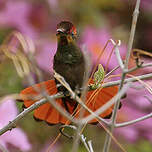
column 68, row 53
column 65, row 46
column 62, row 48
column 65, row 42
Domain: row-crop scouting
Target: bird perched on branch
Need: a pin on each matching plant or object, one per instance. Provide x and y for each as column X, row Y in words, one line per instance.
column 69, row 62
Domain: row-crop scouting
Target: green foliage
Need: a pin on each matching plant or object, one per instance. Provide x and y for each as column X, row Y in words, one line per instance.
column 141, row 146
column 4, row 33
column 9, row 80
column 98, row 77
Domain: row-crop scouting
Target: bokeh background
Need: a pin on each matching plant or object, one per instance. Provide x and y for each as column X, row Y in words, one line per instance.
column 96, row 21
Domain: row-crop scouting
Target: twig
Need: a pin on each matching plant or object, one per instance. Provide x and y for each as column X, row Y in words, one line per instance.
column 90, row 145
column 62, row 128
column 124, row 124
column 107, row 105
column 148, row 98
column 136, row 78
column 63, row 82
column 61, row 79
column 114, row 69
column 113, row 119
column 81, row 136
column 132, row 32
column 3, row 149
column 82, row 111
column 114, row 114
column 138, row 67
column 37, row 104
column 119, row 57
column 116, row 45
column 26, row 111
column 59, row 108
column 75, row 97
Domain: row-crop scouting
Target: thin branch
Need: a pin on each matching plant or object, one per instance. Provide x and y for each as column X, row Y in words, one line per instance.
column 114, row 69
column 138, row 67
column 132, row 32
column 12, row 123
column 124, row 124
column 3, row 149
column 117, row 52
column 75, row 97
column 37, row 104
column 63, row 82
column 78, row 135
column 119, row 58
column 148, row 98
column 136, row 78
column 59, row 108
column 114, row 114
column 88, row 145
column 62, row 128
column 107, row 105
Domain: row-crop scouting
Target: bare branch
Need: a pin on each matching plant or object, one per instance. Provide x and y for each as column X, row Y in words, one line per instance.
column 3, row 149
column 75, row 97
column 148, row 98
column 114, row 69
column 78, row 134
column 60, row 109
column 124, row 124
column 114, row 114
column 106, row 106
column 132, row 32
column 119, row 57
column 88, row 145
column 139, row 67
column 136, row 78
column 12, row 123
column 37, row 104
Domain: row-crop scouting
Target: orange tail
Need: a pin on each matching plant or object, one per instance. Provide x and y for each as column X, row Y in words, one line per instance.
column 49, row 114
column 97, row 98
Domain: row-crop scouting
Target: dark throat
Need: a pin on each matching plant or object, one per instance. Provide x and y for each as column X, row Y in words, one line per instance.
column 63, row 41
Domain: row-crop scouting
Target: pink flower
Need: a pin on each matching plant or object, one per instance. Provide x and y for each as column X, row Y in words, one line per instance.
column 135, row 106
column 16, row 137
column 129, row 133
column 44, row 56
column 146, row 5
column 23, row 17
column 136, row 96
column 15, row 15
column 95, row 40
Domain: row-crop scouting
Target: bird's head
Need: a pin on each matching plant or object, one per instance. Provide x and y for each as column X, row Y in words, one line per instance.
column 66, row 32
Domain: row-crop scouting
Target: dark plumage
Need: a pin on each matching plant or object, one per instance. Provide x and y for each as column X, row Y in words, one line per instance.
column 69, row 60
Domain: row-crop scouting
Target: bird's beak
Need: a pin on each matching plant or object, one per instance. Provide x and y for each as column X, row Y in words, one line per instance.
column 60, row 30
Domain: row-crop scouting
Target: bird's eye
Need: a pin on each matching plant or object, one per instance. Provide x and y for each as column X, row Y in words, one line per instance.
column 72, row 33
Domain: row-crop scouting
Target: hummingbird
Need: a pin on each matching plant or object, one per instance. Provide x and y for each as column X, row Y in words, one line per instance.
column 69, row 62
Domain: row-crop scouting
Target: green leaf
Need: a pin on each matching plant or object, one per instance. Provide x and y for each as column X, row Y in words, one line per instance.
column 98, row 77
